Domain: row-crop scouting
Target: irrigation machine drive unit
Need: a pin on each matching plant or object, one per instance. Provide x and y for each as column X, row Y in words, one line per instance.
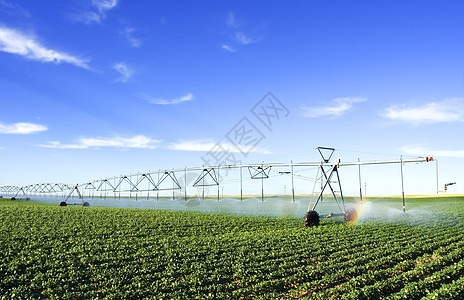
column 329, row 169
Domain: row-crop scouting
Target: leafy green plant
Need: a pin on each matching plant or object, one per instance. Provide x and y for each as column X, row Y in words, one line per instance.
column 89, row 252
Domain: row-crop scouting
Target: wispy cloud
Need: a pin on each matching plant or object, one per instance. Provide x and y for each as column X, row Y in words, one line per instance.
column 231, row 21
column 134, row 42
column 420, row 150
column 15, row 42
column 138, row 141
column 13, row 9
column 337, row 108
column 238, row 34
column 101, row 7
column 244, row 39
column 104, row 5
column 208, row 145
column 125, row 71
column 228, row 48
column 58, row 145
column 449, row 110
column 87, row 17
column 21, row 128
column 153, row 100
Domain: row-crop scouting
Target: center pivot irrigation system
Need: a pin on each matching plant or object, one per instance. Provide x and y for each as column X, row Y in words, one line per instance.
column 327, row 174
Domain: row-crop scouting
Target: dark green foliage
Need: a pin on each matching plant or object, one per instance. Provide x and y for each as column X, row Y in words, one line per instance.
column 89, row 252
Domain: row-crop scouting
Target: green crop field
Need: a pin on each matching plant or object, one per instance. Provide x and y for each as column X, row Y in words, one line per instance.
column 56, row 252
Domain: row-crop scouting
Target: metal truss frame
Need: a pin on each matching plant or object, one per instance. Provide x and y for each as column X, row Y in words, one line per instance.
column 106, row 183
column 257, row 171
column 121, row 180
column 175, row 182
column 75, row 189
column 210, row 173
column 145, row 177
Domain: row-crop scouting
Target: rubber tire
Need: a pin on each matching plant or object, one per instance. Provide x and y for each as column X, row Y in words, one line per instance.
column 13, row 198
column 351, row 215
column 311, row 219
column 63, row 203
column 86, row 204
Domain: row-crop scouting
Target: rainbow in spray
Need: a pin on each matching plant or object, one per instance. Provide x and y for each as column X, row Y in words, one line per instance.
column 359, row 212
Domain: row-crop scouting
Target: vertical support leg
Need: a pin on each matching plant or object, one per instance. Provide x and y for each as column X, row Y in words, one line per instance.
column 293, row 186
column 262, row 187
column 185, row 184
column 241, row 185
column 402, row 183
column 157, row 190
column 203, row 193
column 360, row 188
column 148, row 187
column 436, row 171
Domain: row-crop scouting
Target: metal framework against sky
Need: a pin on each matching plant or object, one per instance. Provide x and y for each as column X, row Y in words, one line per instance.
column 167, row 180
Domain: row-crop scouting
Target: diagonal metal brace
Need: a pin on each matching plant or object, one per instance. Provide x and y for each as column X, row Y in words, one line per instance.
column 175, row 182
column 259, row 172
column 333, row 171
column 207, row 173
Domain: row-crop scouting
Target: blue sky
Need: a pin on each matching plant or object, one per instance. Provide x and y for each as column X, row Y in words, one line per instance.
column 97, row 88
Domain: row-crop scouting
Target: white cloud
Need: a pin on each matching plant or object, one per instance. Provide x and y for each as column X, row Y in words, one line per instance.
column 238, row 37
column 153, row 100
column 228, row 48
column 58, row 145
column 231, row 21
column 210, row 145
column 14, row 9
column 138, row 141
column 243, row 39
column 125, row 71
column 134, row 42
column 12, row 41
column 420, row 150
column 449, row 110
column 339, row 107
column 90, row 16
column 21, row 128
column 104, row 5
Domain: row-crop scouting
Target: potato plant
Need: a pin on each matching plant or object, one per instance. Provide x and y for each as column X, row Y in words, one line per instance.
column 88, row 252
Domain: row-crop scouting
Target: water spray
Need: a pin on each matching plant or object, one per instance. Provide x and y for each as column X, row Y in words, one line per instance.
column 166, row 180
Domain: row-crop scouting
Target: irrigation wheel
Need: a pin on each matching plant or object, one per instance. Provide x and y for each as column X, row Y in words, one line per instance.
column 311, row 219
column 351, row 215
column 63, row 203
